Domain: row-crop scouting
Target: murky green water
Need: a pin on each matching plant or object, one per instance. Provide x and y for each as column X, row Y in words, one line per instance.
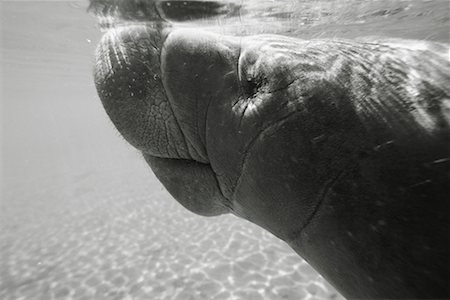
column 82, row 216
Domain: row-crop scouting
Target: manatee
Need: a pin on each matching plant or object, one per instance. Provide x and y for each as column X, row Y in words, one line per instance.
column 338, row 147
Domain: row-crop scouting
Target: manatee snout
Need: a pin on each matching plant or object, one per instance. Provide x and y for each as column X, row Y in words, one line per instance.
column 338, row 147
column 137, row 80
column 129, row 82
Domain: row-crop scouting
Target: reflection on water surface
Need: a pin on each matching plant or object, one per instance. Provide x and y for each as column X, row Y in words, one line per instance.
column 84, row 218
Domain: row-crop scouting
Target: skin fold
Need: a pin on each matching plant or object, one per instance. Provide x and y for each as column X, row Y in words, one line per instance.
column 338, row 147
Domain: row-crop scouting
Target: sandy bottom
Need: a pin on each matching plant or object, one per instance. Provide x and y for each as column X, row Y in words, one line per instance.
column 117, row 235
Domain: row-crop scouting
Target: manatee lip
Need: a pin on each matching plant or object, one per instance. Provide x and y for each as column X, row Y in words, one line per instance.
column 232, row 46
column 194, row 185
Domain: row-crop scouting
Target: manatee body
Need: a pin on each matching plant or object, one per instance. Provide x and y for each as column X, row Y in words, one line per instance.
column 339, row 148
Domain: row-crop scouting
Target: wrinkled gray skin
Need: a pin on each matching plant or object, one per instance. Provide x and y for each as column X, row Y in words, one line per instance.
column 339, row 148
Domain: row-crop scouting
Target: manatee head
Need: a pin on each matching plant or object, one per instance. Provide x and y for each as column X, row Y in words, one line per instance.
column 337, row 147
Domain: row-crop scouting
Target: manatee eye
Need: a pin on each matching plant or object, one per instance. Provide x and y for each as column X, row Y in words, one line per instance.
column 250, row 86
column 253, row 85
column 251, row 78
